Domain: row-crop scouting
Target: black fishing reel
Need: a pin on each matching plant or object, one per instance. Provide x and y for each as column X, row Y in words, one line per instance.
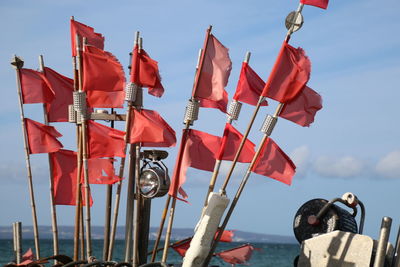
column 320, row 216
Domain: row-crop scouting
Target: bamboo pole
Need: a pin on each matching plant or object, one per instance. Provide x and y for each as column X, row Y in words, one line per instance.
column 130, row 205
column 160, row 229
column 182, row 145
column 17, row 240
column 54, row 227
column 18, row 64
column 138, row 198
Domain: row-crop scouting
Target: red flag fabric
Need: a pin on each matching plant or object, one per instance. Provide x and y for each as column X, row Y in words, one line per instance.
column 42, row 138
column 302, row 108
column 57, row 110
column 64, row 164
column 227, row 236
column 145, row 72
column 182, row 246
column 274, row 163
column 318, row 3
column 249, row 87
column 289, row 75
column 92, row 38
column 27, row 258
column 214, row 76
column 150, row 129
column 101, row 171
column 105, row 141
column 239, row 255
column 35, row 87
column 101, row 71
column 202, row 149
column 102, row 99
column 230, row 143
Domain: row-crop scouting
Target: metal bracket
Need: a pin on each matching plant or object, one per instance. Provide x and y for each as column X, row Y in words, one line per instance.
column 268, row 125
column 191, row 111
column 234, row 110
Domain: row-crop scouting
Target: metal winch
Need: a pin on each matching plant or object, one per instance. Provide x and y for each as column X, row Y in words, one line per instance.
column 319, row 216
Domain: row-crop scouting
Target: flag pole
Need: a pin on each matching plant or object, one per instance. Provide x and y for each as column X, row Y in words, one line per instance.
column 185, row 133
column 231, row 117
column 130, row 98
column 51, row 178
column 269, row 124
column 18, row 64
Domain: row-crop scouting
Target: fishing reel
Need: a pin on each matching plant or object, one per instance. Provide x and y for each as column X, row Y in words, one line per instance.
column 154, row 180
column 319, row 216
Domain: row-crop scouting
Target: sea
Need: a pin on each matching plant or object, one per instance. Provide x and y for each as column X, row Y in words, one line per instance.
column 265, row 254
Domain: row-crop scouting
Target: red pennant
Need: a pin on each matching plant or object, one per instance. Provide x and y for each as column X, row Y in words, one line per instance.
column 302, row 108
column 92, row 38
column 227, row 236
column 289, row 75
column 35, row 87
column 318, row 3
column 150, row 129
column 274, row 163
column 42, row 138
column 182, row 246
column 249, row 87
column 145, row 72
column 105, row 141
column 64, row 164
column 57, row 110
column 214, row 76
column 101, row 71
column 101, row 171
column 27, row 258
column 239, row 255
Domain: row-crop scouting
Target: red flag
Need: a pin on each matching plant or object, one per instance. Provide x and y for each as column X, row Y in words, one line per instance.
column 27, row 258
column 92, row 38
column 64, row 164
column 101, row 171
column 101, row 71
column 105, row 141
column 62, row 87
column 227, row 236
column 102, row 99
column 318, row 3
column 230, row 144
column 302, row 108
column 150, row 129
column 289, row 75
column 182, row 246
column 35, row 87
column 214, row 76
column 42, row 138
column 249, row 86
column 145, row 72
column 239, row 255
column 274, row 163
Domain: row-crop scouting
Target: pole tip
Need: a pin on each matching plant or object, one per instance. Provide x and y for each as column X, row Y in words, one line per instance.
column 17, row 62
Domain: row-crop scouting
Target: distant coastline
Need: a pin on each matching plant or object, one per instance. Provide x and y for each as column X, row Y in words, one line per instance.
column 66, row 232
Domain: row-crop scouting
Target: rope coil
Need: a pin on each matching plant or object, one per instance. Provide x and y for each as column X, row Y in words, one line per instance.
column 191, row 111
column 268, row 125
column 234, row 110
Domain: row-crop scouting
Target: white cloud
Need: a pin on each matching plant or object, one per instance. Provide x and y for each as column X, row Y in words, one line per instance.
column 301, row 158
column 389, row 166
column 344, row 167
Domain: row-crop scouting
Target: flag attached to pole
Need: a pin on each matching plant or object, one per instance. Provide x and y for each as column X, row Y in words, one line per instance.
column 302, row 108
column 289, row 75
column 214, row 76
column 274, row 163
column 318, row 3
column 238, row 255
column 42, row 138
column 249, row 87
column 57, row 110
column 101, row 171
column 150, row 129
column 93, row 38
column 35, row 87
column 65, row 175
column 145, row 72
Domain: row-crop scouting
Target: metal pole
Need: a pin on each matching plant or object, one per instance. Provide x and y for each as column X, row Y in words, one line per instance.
column 18, row 64
column 51, row 178
column 395, row 259
column 383, row 242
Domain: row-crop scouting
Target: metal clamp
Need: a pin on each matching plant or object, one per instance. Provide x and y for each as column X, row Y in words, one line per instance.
column 268, row 125
column 131, row 92
column 79, row 101
column 191, row 111
column 71, row 114
column 234, row 110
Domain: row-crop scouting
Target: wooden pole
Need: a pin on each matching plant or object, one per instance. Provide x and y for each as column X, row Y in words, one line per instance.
column 138, row 198
column 17, row 240
column 160, row 229
column 54, row 227
column 130, row 205
column 183, row 143
column 18, row 64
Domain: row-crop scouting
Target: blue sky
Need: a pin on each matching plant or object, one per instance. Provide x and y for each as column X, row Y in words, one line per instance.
column 352, row 146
